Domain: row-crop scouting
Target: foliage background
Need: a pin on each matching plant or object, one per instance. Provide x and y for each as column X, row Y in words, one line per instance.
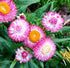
column 34, row 11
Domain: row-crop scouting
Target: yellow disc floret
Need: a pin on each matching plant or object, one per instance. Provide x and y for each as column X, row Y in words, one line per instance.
column 45, row 49
column 34, row 36
column 4, row 8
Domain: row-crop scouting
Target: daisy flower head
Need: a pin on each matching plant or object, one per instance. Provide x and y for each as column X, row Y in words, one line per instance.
column 22, row 55
column 44, row 49
column 52, row 21
column 8, row 10
column 19, row 30
column 35, row 35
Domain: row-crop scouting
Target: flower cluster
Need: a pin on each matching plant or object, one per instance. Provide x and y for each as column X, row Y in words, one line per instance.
column 33, row 36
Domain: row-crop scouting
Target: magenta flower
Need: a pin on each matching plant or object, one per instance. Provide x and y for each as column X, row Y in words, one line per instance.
column 35, row 35
column 52, row 21
column 22, row 55
column 19, row 30
column 44, row 49
column 8, row 10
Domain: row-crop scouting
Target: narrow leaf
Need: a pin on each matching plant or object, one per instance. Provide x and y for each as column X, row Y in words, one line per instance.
column 57, row 53
column 60, row 40
column 13, row 64
column 42, row 8
column 23, row 4
column 32, row 64
column 65, row 28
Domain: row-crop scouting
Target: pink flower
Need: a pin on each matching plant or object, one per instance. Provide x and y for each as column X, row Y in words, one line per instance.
column 52, row 21
column 19, row 30
column 8, row 10
column 22, row 55
column 35, row 35
column 44, row 49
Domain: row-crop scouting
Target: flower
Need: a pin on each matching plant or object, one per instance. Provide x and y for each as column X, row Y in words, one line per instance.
column 35, row 35
column 19, row 30
column 22, row 15
column 52, row 21
column 8, row 10
column 22, row 55
column 44, row 49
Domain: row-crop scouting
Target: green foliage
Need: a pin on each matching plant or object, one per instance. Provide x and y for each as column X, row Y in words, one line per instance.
column 5, row 64
column 13, row 64
column 60, row 40
column 57, row 3
column 8, row 46
column 53, row 62
column 62, row 2
column 23, row 4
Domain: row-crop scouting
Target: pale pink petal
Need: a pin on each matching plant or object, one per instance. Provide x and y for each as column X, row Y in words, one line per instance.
column 44, row 49
column 52, row 21
column 19, row 30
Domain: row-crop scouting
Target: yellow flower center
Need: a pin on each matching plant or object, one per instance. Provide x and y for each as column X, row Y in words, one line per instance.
column 4, row 8
column 45, row 49
column 34, row 36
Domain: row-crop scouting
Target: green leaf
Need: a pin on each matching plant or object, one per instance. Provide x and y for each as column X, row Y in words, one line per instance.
column 23, row 65
column 32, row 64
column 4, row 64
column 42, row 64
column 54, row 10
column 8, row 43
column 23, row 4
column 52, row 6
column 53, row 62
column 43, row 8
column 57, row 53
column 0, row 55
column 56, row 40
column 39, row 11
column 27, row 65
column 31, row 17
column 47, row 65
column 5, row 41
column 13, row 64
column 65, row 28
column 58, row 45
